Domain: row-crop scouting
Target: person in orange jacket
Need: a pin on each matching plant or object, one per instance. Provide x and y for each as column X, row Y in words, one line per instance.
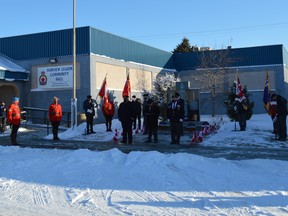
column 14, row 118
column 108, row 112
column 55, row 116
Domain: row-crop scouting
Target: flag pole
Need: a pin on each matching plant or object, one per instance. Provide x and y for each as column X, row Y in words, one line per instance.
column 128, row 76
column 74, row 99
column 236, row 87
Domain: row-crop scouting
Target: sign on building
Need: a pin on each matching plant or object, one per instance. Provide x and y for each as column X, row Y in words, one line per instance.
column 56, row 77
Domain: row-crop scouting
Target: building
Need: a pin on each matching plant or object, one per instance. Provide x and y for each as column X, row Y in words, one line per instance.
column 43, row 68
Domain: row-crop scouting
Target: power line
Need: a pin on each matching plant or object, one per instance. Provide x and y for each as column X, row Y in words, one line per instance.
column 217, row 31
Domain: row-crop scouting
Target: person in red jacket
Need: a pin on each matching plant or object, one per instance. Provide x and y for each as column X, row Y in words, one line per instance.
column 108, row 111
column 273, row 113
column 14, row 118
column 55, row 116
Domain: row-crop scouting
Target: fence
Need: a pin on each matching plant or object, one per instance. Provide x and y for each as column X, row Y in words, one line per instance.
column 40, row 116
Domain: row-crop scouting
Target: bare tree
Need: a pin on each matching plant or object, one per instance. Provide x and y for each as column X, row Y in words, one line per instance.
column 213, row 75
column 142, row 82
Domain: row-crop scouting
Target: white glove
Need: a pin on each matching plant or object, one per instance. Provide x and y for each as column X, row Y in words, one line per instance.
column 89, row 111
column 181, row 120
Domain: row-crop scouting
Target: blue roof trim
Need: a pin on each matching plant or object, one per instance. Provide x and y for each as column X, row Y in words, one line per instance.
column 46, row 44
column 251, row 56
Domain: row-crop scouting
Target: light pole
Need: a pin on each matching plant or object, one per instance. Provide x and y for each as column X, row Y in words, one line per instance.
column 74, row 99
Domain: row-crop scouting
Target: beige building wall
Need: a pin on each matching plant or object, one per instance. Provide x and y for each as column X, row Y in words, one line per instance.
column 117, row 75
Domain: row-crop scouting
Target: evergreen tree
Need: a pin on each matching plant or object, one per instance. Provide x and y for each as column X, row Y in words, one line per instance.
column 231, row 100
column 183, row 47
column 162, row 84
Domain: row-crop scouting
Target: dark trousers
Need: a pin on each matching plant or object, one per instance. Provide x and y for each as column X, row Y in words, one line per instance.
column 145, row 126
column 274, row 121
column 153, row 131
column 281, row 126
column 108, row 119
column 89, row 123
column 55, row 128
column 2, row 124
column 138, row 117
column 175, row 128
column 242, row 120
column 13, row 135
column 127, row 131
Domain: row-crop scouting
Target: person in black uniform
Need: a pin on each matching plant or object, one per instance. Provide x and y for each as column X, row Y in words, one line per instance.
column 89, row 108
column 137, row 107
column 240, row 106
column 152, row 114
column 281, row 114
column 126, row 117
column 182, row 102
column 3, row 110
column 175, row 115
column 144, row 105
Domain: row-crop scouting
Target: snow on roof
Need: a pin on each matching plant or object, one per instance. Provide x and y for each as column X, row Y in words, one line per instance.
column 8, row 65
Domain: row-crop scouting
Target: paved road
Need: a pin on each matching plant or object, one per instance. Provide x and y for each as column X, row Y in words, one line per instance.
column 32, row 138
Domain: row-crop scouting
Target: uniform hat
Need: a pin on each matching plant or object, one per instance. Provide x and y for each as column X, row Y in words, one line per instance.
column 145, row 95
column 89, row 96
column 177, row 94
column 134, row 96
column 15, row 99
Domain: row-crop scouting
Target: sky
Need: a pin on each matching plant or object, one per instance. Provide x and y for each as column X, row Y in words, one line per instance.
column 42, row 182
column 161, row 24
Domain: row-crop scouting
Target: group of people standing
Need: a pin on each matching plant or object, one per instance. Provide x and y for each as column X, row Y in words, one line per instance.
column 130, row 111
column 12, row 116
column 129, row 114
column 277, row 111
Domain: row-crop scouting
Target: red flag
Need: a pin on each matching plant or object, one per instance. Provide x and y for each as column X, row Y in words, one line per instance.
column 266, row 94
column 103, row 93
column 127, row 88
column 200, row 137
column 239, row 90
column 103, row 89
column 194, row 138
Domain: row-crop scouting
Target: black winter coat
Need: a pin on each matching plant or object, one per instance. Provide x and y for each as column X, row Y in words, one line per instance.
column 152, row 114
column 137, row 108
column 175, row 114
column 126, row 112
column 88, row 107
column 281, row 105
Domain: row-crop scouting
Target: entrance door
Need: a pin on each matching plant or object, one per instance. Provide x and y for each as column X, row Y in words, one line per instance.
column 7, row 92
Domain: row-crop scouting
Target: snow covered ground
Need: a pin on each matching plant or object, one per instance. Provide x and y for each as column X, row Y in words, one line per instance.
column 82, row 182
